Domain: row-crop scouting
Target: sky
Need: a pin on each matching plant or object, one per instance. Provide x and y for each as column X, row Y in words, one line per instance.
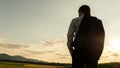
column 40, row 27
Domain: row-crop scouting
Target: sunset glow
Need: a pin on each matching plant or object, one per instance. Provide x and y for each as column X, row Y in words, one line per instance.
column 115, row 44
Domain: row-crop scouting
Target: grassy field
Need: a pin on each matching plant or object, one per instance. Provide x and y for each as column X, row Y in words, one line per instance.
column 26, row 65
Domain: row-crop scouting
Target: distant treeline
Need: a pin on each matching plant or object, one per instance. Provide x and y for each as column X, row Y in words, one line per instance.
column 39, row 63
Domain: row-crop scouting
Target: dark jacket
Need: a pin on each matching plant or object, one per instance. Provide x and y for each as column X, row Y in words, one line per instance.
column 90, row 37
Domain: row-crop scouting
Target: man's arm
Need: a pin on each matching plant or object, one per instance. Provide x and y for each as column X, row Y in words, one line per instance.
column 101, row 38
column 70, row 36
column 70, row 48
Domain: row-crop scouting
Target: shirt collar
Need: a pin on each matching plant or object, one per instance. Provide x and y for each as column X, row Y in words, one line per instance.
column 81, row 16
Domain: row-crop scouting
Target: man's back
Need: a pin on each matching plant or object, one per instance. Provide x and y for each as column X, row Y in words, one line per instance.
column 90, row 37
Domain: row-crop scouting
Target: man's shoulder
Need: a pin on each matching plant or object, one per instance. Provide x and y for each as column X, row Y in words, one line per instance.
column 96, row 19
column 75, row 19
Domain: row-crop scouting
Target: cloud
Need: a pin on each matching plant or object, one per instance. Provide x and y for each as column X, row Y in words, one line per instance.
column 46, row 43
column 102, row 57
column 11, row 45
column 115, row 54
column 49, row 43
column 38, row 52
column 53, row 42
column 63, row 57
column 59, row 54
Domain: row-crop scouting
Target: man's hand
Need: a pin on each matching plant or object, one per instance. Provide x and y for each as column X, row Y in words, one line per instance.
column 70, row 48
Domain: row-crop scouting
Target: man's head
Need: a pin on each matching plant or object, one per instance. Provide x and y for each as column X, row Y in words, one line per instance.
column 84, row 9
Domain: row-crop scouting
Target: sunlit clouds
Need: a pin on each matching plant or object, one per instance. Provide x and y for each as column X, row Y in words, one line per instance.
column 53, row 51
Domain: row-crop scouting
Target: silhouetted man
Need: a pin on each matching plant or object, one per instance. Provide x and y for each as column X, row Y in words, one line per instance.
column 85, row 39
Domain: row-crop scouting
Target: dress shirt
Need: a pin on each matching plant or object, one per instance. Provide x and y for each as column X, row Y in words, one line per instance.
column 73, row 29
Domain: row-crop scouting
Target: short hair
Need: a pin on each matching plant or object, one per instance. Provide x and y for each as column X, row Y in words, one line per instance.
column 84, row 9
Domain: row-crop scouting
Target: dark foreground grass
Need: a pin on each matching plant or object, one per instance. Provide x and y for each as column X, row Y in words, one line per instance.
column 110, row 65
column 26, row 65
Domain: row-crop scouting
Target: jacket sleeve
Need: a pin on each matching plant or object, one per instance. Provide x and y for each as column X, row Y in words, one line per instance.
column 70, row 36
column 101, row 38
